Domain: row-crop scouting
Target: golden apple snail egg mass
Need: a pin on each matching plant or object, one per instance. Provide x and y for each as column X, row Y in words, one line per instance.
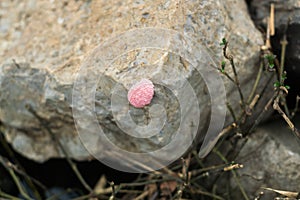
column 141, row 93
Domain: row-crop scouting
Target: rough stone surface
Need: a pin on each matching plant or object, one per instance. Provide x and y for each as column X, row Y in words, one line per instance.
column 55, row 37
column 271, row 159
column 287, row 20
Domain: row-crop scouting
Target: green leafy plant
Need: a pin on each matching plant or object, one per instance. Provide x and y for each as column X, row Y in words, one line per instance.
column 271, row 59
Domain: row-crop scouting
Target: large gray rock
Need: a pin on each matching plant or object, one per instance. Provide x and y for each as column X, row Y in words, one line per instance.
column 271, row 159
column 56, row 42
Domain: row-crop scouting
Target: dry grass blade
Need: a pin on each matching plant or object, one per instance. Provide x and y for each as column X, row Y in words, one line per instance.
column 100, row 186
column 284, row 193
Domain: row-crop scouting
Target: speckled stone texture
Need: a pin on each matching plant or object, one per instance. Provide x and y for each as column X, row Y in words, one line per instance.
column 271, row 159
column 53, row 37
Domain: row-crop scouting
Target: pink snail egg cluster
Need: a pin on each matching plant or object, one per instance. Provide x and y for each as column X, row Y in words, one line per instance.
column 141, row 93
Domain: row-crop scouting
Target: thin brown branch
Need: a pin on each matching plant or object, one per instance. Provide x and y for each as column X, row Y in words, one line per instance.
column 113, row 193
column 235, row 177
column 227, row 75
column 254, row 88
column 8, row 196
column 285, row 117
column 22, row 171
column 272, row 19
column 198, row 191
column 236, row 79
column 254, row 101
column 142, row 196
column 262, row 114
column 7, row 165
column 231, row 112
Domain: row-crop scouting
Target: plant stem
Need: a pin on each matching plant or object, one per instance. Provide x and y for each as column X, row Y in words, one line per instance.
column 282, row 59
column 8, row 196
column 285, row 117
column 12, row 156
column 231, row 112
column 258, row 77
column 236, row 79
column 234, row 175
column 18, row 184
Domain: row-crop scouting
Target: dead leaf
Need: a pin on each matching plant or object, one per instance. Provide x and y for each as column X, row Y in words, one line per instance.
column 168, row 187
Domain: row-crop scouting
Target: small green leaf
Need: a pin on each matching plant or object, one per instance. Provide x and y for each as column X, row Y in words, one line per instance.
column 283, row 77
column 223, row 64
column 271, row 59
column 277, row 84
column 287, row 87
column 224, row 41
column 268, row 56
